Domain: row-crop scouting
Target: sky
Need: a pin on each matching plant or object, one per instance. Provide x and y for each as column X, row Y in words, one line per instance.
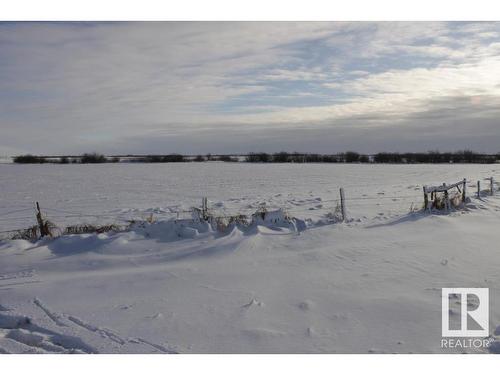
column 238, row 87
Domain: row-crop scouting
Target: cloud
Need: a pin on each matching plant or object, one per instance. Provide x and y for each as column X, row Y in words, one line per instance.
column 447, row 124
column 74, row 87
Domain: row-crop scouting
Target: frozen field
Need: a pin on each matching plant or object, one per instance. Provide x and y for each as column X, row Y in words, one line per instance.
column 372, row 284
column 70, row 193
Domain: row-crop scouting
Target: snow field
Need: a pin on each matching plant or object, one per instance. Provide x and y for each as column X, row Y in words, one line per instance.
column 371, row 285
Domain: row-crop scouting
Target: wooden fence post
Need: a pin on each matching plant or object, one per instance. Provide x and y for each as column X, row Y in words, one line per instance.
column 447, row 204
column 204, row 208
column 478, row 189
column 463, row 190
column 39, row 219
column 426, row 198
column 342, row 204
column 491, row 185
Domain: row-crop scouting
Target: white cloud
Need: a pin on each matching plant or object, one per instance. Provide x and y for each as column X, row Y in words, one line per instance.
column 78, row 86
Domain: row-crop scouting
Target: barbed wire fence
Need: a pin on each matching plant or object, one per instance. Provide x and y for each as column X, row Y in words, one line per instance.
column 340, row 205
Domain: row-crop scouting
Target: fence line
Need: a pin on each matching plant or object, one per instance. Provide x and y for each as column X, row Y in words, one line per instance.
column 73, row 214
column 356, row 201
column 17, row 211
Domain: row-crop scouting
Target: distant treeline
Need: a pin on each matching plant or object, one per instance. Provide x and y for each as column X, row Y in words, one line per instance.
column 464, row 156
column 285, row 157
column 92, row 158
column 177, row 158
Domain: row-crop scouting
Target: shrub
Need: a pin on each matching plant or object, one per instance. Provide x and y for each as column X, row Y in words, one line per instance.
column 293, row 158
column 91, row 228
column 364, row 159
column 153, row 159
column 29, row 234
column 281, row 157
column 261, row 157
column 351, row 157
column 386, row 157
column 330, row 159
column 28, row 159
column 313, row 158
column 172, row 158
column 93, row 158
column 227, row 158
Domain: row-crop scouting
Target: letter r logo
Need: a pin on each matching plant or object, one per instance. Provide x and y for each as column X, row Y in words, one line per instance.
column 465, row 312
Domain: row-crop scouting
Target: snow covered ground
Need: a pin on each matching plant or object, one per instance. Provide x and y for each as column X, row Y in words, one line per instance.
column 371, row 285
column 118, row 192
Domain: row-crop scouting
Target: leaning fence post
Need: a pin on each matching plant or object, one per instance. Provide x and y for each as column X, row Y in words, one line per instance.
column 478, row 189
column 342, row 204
column 39, row 219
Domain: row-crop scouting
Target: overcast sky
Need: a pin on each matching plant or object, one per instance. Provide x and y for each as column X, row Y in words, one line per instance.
column 238, row 87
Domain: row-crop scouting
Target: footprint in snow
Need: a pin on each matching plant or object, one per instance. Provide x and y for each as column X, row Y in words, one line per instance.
column 310, row 332
column 305, row 305
column 253, row 302
column 155, row 316
column 125, row 307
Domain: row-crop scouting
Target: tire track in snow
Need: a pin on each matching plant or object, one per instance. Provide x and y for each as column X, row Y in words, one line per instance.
column 34, row 340
column 19, row 283
column 11, row 277
column 104, row 332
column 138, row 340
column 21, row 335
column 11, row 346
column 52, row 315
column 17, row 275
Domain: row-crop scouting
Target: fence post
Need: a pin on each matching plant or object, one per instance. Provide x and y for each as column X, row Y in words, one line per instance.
column 39, row 219
column 463, row 190
column 204, row 208
column 478, row 189
column 491, row 185
column 342, row 204
column 446, row 200
column 447, row 204
column 426, row 198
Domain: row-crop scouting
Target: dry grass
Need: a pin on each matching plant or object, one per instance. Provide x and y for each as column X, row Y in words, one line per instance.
column 439, row 202
column 90, row 228
column 29, row 234
column 336, row 215
column 223, row 222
